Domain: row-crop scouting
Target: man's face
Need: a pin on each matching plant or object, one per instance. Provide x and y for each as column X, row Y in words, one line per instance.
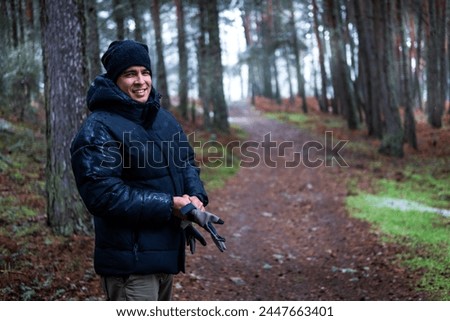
column 136, row 82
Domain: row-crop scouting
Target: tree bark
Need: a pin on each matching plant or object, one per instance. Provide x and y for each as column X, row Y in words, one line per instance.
column 14, row 29
column 342, row 83
column 392, row 141
column 220, row 120
column 436, row 67
column 246, row 23
column 183, row 61
column 65, row 89
column 323, row 101
column 380, row 94
column 266, row 36
column 409, row 121
column 119, row 18
column 93, row 45
column 298, row 66
column 138, row 23
column 161, row 75
column 203, row 69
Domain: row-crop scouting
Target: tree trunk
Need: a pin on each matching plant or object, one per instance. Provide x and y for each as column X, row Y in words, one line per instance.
column 443, row 17
column 409, row 121
column 436, row 67
column 246, row 23
column 31, row 29
column 277, row 95
column 342, row 83
column 289, row 75
column 220, row 120
column 298, row 66
column 183, row 61
column 21, row 22
column 63, row 54
column 323, row 101
column 203, row 63
column 380, row 95
column 93, row 45
column 138, row 22
column 13, row 18
column 119, row 18
column 418, row 54
column 447, row 10
column 161, row 77
column 392, row 141
column 265, row 25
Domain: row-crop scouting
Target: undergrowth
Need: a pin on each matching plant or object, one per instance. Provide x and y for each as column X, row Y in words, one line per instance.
column 414, row 212
column 423, row 225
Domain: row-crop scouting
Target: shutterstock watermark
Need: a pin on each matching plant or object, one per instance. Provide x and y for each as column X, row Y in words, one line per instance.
column 271, row 153
column 212, row 154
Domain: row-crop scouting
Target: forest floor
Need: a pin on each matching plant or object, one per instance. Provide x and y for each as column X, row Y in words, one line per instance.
column 289, row 236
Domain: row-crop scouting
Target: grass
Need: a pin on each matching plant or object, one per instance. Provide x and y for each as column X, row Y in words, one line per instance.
column 218, row 161
column 302, row 120
column 425, row 233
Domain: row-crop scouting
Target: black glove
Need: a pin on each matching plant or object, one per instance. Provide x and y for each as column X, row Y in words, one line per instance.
column 205, row 220
column 191, row 235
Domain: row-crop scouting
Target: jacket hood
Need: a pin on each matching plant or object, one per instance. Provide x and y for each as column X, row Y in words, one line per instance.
column 105, row 95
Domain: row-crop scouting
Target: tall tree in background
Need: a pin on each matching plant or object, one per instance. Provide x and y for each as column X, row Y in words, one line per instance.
column 220, row 120
column 342, row 82
column 392, row 141
column 368, row 72
column 295, row 43
column 31, row 30
column 204, row 66
column 161, row 75
column 210, row 69
column 5, row 28
column 118, row 15
column 138, row 22
column 4, row 37
column 447, row 30
column 183, row 60
column 323, row 100
column 417, row 23
column 406, row 72
column 246, row 11
column 436, row 61
column 93, row 43
column 266, row 38
column 12, row 11
column 273, row 8
column 65, row 89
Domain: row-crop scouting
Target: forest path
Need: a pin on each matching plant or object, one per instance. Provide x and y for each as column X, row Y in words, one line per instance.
column 288, row 234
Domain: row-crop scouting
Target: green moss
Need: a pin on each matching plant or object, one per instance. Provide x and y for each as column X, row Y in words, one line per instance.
column 403, row 212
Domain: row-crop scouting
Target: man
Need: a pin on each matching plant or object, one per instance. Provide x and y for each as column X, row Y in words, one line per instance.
column 135, row 172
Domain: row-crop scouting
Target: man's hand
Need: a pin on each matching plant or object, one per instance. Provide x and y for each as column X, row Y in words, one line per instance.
column 206, row 220
column 178, row 203
column 197, row 203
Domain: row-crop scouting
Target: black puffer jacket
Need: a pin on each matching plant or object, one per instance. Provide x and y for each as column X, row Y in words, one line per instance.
column 129, row 160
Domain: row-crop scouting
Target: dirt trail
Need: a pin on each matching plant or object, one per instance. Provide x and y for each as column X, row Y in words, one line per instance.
column 288, row 235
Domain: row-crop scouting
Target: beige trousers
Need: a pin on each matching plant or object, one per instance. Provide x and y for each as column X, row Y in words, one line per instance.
column 151, row 287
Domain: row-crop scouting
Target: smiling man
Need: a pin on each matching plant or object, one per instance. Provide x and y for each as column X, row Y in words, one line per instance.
column 136, row 82
column 135, row 172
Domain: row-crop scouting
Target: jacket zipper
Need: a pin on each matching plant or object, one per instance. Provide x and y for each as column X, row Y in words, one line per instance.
column 136, row 246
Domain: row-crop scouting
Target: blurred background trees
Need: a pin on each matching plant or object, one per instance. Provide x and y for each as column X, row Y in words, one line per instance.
column 374, row 62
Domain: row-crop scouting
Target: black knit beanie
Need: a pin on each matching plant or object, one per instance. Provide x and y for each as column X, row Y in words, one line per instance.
column 124, row 54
